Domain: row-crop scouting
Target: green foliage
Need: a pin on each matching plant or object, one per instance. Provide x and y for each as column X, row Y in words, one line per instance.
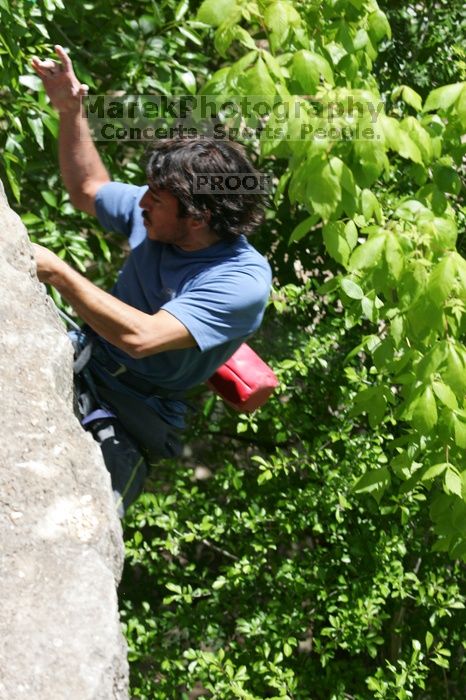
column 272, row 572
column 388, row 197
column 427, row 44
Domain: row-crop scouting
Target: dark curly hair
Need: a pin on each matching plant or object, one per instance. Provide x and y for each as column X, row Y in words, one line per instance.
column 172, row 165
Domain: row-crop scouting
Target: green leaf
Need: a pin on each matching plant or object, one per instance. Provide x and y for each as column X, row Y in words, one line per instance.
column 431, row 361
column 444, row 232
column 351, row 289
column 228, row 32
column 30, row 219
column 276, row 19
column 308, row 67
column 246, row 40
column 442, row 280
column 397, row 329
column 374, row 482
column 33, row 82
column 455, row 373
column 371, row 401
column 351, row 234
column 412, row 98
column 452, row 482
column 264, row 476
column 370, row 161
column 461, row 107
column 398, row 140
column 282, row 183
column 303, row 228
column 50, row 198
column 219, row 583
column 370, row 306
column 434, row 471
column 460, row 263
column 344, row 174
column 360, row 39
column 272, row 64
column 440, row 661
column 43, row 30
column 257, row 80
column 447, row 179
column 424, row 415
column 377, row 409
column 460, row 431
column 238, row 68
column 37, row 128
column 105, row 249
column 370, row 206
column 335, row 241
column 323, row 187
column 148, row 23
column 445, row 395
column 443, row 97
column 379, row 25
column 181, row 10
column 367, row 254
column 410, row 210
column 190, row 35
column 51, row 123
column 420, row 137
column 279, row 17
column 12, row 179
column 329, row 286
column 394, row 256
column 188, row 80
column 214, row 12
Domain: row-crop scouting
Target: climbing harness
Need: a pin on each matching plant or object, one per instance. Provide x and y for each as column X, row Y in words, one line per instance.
column 123, row 459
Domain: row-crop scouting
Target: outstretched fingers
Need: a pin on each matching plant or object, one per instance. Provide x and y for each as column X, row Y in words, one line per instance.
column 44, row 68
column 49, row 67
column 65, row 60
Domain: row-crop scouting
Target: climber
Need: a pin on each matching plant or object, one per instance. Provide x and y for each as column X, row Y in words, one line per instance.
column 191, row 291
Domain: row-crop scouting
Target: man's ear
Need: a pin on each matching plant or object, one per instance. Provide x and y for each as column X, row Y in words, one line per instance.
column 201, row 220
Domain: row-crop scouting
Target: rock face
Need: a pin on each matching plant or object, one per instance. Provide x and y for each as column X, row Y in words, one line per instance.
column 61, row 550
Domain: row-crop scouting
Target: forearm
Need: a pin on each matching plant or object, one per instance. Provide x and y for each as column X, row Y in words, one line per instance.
column 133, row 331
column 81, row 167
column 109, row 317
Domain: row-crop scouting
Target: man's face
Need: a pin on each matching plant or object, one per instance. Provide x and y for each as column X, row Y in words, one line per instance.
column 161, row 219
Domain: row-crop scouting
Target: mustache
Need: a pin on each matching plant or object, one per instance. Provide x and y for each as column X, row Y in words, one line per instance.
column 145, row 215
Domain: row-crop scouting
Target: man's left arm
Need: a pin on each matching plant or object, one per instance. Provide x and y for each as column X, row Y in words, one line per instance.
column 136, row 333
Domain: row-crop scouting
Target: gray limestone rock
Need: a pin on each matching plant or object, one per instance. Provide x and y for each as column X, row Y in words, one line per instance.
column 61, row 549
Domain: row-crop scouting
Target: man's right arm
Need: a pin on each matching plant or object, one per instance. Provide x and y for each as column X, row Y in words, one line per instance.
column 81, row 167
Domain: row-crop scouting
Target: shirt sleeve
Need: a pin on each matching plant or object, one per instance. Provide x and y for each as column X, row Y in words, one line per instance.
column 117, row 207
column 221, row 309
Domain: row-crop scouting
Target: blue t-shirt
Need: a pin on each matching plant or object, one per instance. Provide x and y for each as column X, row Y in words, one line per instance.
column 218, row 293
